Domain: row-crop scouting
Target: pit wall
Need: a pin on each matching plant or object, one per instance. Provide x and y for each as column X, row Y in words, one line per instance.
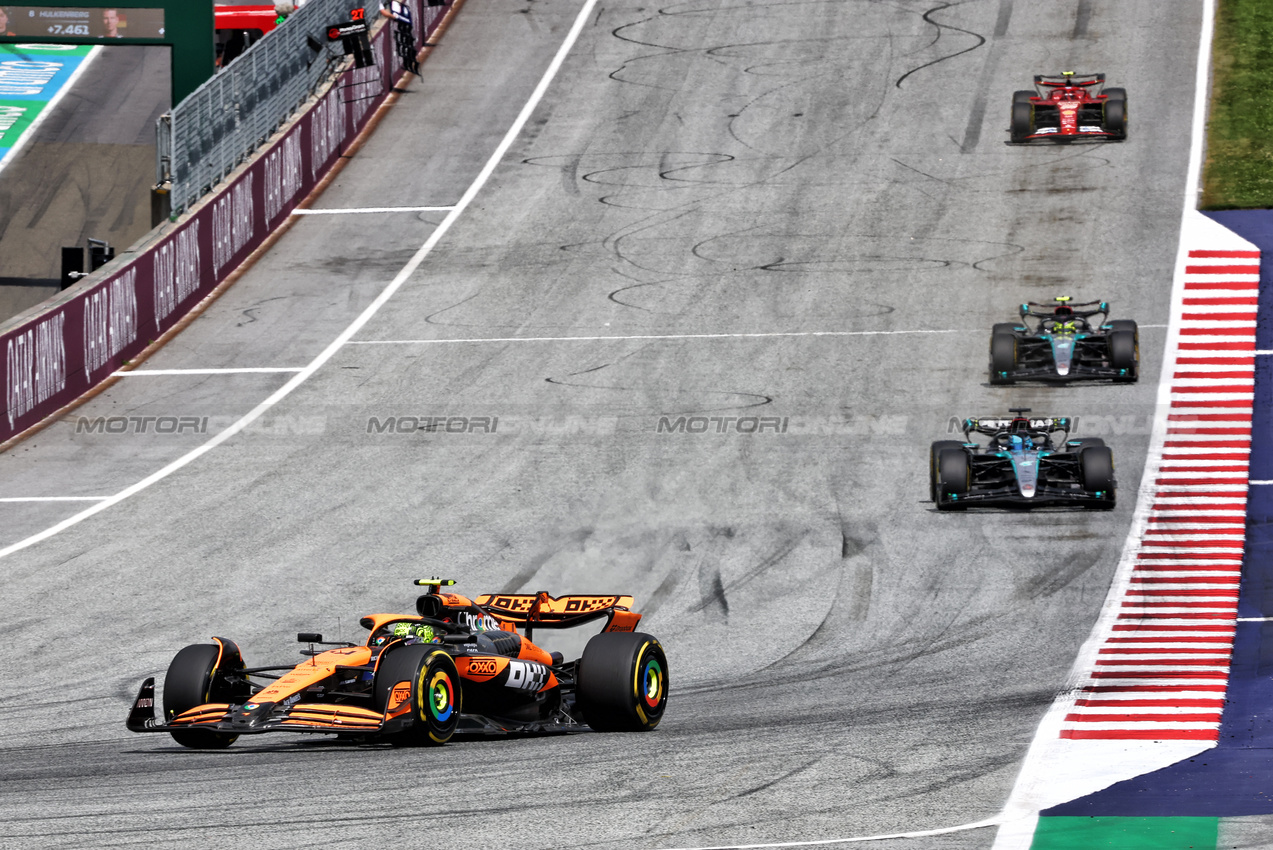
column 57, row 352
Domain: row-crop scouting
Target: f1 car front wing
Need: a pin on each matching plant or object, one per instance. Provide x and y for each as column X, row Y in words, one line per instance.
column 1045, row 494
column 325, row 718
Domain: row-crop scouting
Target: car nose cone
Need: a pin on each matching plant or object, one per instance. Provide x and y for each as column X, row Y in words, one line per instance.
column 1063, row 353
column 1026, row 465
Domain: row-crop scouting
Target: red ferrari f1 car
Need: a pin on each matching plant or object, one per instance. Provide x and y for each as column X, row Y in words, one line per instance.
column 1068, row 107
column 457, row 667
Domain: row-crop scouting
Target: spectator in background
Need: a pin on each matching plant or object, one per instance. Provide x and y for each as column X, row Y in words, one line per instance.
column 4, row 22
column 397, row 11
column 110, row 22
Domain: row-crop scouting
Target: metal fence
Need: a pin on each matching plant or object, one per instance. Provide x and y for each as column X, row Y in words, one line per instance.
column 221, row 123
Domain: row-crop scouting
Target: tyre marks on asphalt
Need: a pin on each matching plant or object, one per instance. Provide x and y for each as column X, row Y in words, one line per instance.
column 1082, row 18
column 941, row 28
column 989, row 72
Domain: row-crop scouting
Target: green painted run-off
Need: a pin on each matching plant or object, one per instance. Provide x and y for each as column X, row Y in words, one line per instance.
column 1111, row 833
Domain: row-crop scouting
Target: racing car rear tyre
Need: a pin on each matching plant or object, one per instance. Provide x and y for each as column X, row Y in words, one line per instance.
column 1096, row 465
column 622, row 682
column 953, row 475
column 1003, row 353
column 1022, row 96
column 193, row 679
column 1123, row 353
column 435, row 693
column 1116, row 112
column 934, row 453
column 1022, row 120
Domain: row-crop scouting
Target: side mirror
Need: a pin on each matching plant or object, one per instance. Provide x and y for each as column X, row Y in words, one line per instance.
column 309, row 637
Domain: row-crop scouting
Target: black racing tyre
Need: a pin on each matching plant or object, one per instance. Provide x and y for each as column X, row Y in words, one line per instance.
column 1115, row 120
column 1124, row 353
column 436, row 693
column 1022, row 96
column 953, row 479
column 933, row 454
column 1003, row 353
column 622, row 682
column 1124, row 325
column 1096, row 468
column 1086, row 442
column 1022, row 120
column 193, row 680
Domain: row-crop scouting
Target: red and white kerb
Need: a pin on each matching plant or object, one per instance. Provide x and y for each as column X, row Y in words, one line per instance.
column 1163, row 670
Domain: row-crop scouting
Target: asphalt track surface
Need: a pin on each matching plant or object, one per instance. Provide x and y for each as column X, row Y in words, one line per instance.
column 845, row 661
column 86, row 173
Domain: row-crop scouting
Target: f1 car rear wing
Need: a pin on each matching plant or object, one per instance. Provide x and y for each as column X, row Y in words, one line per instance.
column 1063, row 308
column 1017, row 423
column 539, row 610
column 1066, row 79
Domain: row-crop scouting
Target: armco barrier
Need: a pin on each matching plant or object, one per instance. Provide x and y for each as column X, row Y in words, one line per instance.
column 55, row 356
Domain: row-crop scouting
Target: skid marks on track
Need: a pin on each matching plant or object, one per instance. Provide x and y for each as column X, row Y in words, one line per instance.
column 941, row 29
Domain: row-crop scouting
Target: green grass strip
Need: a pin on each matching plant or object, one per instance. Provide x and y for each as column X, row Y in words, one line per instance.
column 1239, row 169
column 1067, row 833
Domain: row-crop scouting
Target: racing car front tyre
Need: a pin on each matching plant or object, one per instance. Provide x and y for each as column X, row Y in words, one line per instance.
column 953, row 479
column 622, row 682
column 1124, row 353
column 1115, row 117
column 1022, row 118
column 933, row 454
column 193, row 679
column 1096, row 466
column 435, row 693
column 1003, row 353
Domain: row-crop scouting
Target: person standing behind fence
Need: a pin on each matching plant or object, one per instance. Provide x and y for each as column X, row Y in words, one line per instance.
column 404, row 33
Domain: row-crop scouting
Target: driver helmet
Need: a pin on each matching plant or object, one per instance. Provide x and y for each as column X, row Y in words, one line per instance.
column 414, row 632
column 1020, row 443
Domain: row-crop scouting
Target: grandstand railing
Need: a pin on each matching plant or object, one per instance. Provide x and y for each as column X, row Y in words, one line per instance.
column 210, row 133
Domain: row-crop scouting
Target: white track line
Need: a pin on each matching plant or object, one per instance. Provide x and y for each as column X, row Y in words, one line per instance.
column 357, row 324
column 822, row 842
column 55, row 499
column 365, row 210
column 250, row 370
column 618, row 338
column 48, row 108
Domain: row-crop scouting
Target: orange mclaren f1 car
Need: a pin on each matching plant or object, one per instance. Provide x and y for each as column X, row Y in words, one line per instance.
column 457, row 667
